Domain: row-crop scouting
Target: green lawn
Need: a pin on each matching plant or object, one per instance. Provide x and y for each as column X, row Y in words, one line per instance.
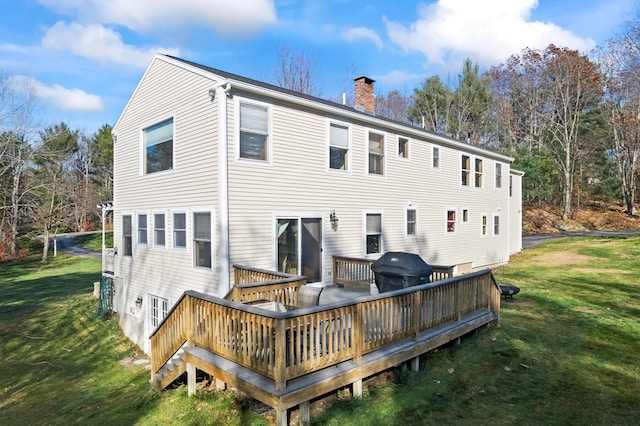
column 567, row 351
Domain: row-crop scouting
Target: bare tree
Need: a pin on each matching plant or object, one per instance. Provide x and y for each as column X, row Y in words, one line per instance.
column 394, row 105
column 296, row 70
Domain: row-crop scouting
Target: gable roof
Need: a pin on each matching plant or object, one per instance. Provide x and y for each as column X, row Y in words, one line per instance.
column 271, row 90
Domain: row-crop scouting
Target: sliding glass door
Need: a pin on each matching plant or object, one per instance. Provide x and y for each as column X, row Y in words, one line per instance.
column 299, row 247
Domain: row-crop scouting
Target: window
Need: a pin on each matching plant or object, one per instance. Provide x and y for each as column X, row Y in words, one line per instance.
column 376, row 154
column 466, row 169
column 254, row 131
column 158, row 229
column 465, row 215
column 126, row 235
column 179, row 230
column 159, row 310
column 510, row 186
column 374, row 233
column 338, row 147
column 403, row 147
column 411, row 221
column 435, row 154
column 451, row 221
column 484, row 224
column 496, row 225
column 478, row 168
column 158, row 144
column 498, row 175
column 142, row 229
column 202, row 239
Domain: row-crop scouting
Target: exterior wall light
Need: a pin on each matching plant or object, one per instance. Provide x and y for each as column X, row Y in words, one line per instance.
column 139, row 302
column 334, row 220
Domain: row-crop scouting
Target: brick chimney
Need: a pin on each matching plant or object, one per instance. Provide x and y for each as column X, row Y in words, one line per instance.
column 365, row 97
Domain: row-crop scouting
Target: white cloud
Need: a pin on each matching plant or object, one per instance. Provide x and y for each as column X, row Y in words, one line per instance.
column 98, row 43
column 362, row 33
column 59, row 96
column 226, row 17
column 398, row 78
column 487, row 31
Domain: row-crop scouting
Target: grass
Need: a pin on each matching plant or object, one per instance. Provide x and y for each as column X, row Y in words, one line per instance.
column 566, row 352
column 94, row 241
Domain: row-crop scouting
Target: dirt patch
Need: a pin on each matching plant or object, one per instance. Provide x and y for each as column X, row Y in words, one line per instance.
column 602, row 271
column 561, row 259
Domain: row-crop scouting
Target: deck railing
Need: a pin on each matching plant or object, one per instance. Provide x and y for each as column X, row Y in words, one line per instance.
column 286, row 345
column 355, row 272
column 253, row 284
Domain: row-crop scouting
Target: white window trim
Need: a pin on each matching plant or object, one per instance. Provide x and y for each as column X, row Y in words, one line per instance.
column 462, row 218
column 299, row 216
column 143, row 154
column 138, row 243
column 406, row 222
column 456, row 221
column 214, row 240
column 134, row 230
column 270, row 142
column 364, row 233
column 385, row 150
column 471, row 175
column 331, row 121
column 186, row 230
column 408, row 157
column 475, row 172
column 166, row 229
column 146, row 312
column 493, row 225
column 439, row 166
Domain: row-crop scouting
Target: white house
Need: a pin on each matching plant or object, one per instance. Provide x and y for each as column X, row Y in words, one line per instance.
column 214, row 169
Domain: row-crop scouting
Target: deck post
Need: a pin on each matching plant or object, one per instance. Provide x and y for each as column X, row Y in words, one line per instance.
column 280, row 369
column 416, row 313
column 191, row 379
column 281, row 417
column 415, row 363
column 356, row 389
column 305, row 413
column 358, row 334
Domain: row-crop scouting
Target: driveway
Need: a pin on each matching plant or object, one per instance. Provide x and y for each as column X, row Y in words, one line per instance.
column 66, row 245
column 529, row 241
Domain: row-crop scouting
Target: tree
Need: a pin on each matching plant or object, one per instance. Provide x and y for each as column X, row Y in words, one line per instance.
column 472, row 106
column 394, row 105
column 296, row 70
column 432, row 105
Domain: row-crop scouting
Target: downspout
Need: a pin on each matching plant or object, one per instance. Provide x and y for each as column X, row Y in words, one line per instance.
column 221, row 91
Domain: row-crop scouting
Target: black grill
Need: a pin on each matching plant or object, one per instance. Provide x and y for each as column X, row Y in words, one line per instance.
column 396, row 270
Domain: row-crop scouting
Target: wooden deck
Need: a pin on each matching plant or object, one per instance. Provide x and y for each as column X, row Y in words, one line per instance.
column 285, row 359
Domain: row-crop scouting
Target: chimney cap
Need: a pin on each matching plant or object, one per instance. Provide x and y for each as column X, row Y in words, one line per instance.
column 366, row 79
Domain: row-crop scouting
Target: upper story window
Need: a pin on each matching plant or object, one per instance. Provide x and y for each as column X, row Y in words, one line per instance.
column 451, row 221
column 142, row 229
column 254, row 131
column 127, row 235
column 158, row 229
column 435, row 157
column 202, row 239
column 179, row 230
column 466, row 170
column 479, row 171
column 498, row 175
column 411, row 222
column 158, row 147
column 496, row 225
column 374, row 233
column 376, row 153
column 338, row 147
column 403, row 147
column 465, row 215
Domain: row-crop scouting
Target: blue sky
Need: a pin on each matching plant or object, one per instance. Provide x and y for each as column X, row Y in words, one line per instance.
column 84, row 58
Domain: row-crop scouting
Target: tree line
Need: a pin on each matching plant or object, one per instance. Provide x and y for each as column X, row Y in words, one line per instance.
column 51, row 178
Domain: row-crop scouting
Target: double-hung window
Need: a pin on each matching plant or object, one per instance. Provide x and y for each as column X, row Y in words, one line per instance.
column 498, row 175
column 254, row 131
column 435, row 157
column 179, row 230
column 374, row 233
column 479, row 171
column 202, row 239
column 376, row 153
column 451, row 221
column 496, row 225
column 142, row 229
column 484, row 224
column 403, row 147
column 127, row 235
column 338, row 147
column 158, row 229
column 158, row 147
column 466, row 170
column 411, row 221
